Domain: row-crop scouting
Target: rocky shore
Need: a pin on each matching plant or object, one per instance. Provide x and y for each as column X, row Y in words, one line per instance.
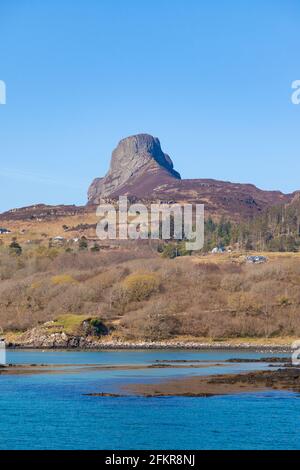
column 287, row 379
column 51, row 336
column 33, row 340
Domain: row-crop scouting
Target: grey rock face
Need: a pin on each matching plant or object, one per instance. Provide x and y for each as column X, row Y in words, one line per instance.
column 133, row 156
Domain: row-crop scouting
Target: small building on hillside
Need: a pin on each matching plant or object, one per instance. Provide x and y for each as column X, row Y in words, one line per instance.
column 4, row 231
column 218, row 249
column 256, row 259
column 57, row 241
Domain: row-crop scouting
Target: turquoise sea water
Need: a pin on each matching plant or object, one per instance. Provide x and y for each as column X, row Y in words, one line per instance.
column 50, row 410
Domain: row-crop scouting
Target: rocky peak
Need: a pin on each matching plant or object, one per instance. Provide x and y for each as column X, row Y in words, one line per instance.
column 140, row 170
column 135, row 156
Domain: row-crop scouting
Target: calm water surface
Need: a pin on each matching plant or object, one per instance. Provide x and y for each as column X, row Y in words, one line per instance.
column 50, row 411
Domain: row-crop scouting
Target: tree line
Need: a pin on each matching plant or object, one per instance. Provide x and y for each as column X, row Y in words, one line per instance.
column 277, row 229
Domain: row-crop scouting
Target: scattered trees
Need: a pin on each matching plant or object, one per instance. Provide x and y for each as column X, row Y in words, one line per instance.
column 277, row 229
column 15, row 248
column 83, row 244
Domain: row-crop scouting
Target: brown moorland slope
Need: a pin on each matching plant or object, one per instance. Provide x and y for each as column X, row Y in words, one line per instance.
column 136, row 294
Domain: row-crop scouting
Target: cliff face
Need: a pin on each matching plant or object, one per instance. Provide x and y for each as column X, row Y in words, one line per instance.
column 139, row 168
column 135, row 157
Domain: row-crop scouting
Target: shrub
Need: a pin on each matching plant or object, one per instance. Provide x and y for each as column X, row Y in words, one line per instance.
column 15, row 248
column 83, row 244
column 62, row 279
column 140, row 286
column 154, row 323
column 170, row 251
column 46, row 252
column 284, row 301
column 95, row 248
column 95, row 327
column 9, row 265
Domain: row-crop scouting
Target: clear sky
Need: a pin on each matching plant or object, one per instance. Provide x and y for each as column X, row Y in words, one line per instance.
column 211, row 79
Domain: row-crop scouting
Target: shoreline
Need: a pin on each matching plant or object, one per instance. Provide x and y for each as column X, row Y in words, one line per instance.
column 85, row 345
column 29, row 369
column 39, row 368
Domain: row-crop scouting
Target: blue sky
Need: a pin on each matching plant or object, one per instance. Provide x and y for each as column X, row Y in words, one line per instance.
column 212, row 80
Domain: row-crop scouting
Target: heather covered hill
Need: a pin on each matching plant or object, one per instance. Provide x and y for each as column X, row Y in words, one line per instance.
column 39, row 212
column 142, row 171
